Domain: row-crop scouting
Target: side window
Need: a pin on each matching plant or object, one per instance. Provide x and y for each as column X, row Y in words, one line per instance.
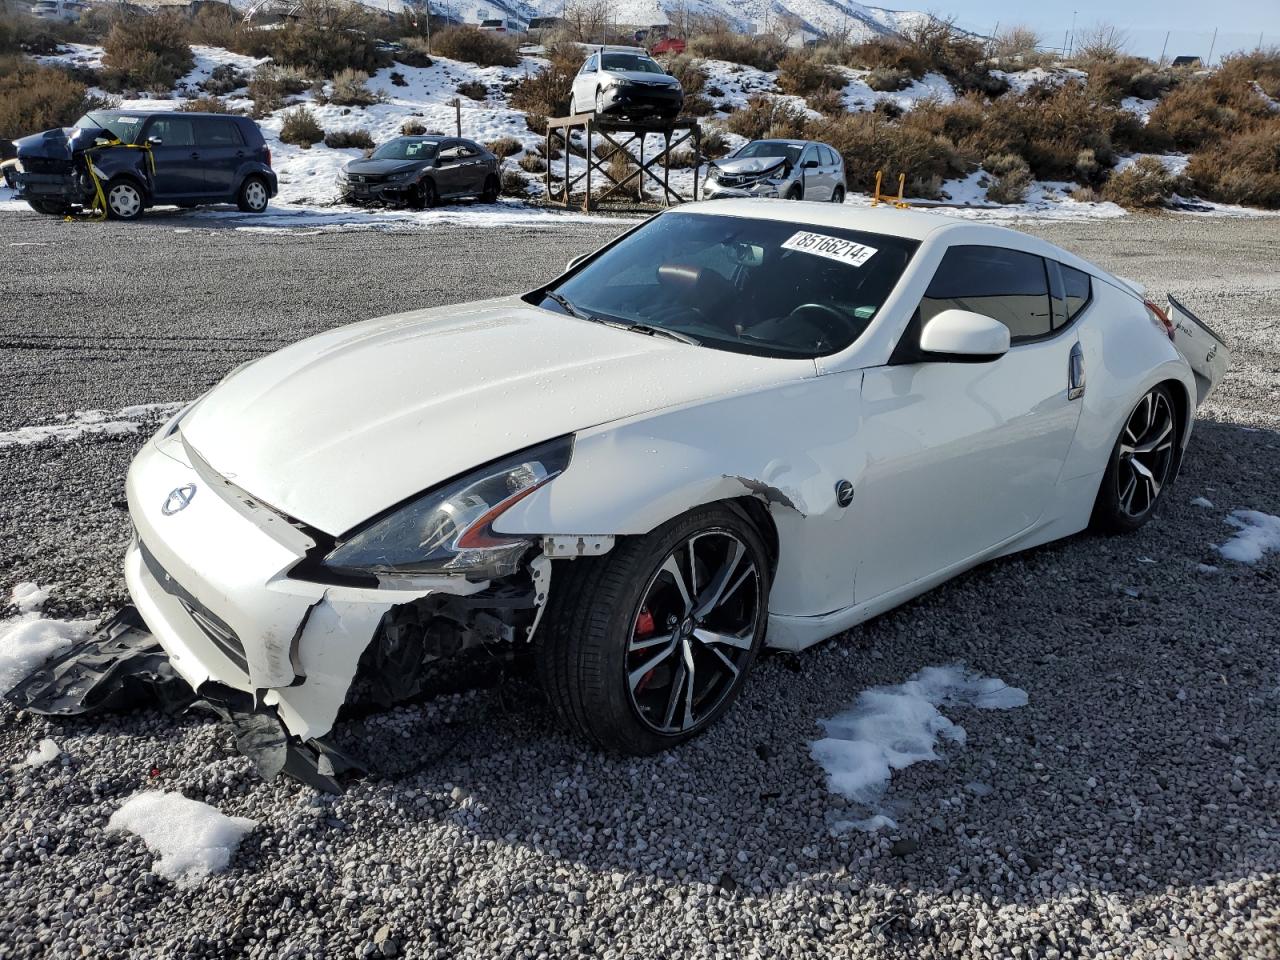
column 828, row 156
column 449, row 151
column 1006, row 285
column 466, row 149
column 810, row 153
column 1070, row 290
column 592, row 64
column 173, row 131
column 215, row 132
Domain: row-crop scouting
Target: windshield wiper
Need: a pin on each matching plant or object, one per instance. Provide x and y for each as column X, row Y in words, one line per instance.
column 567, row 305
column 662, row 332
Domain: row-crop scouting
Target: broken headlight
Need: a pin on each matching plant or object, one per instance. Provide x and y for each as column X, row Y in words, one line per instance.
column 450, row 529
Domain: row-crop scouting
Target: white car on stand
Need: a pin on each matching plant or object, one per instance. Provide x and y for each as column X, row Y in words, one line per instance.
column 739, row 424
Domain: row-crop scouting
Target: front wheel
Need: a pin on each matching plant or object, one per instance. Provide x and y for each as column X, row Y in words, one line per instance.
column 253, row 196
column 1141, row 464
column 599, row 101
column 837, row 195
column 649, row 645
column 50, row 208
column 795, row 193
column 124, row 199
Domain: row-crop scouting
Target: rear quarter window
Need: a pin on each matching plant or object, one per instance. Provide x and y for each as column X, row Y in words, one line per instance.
column 1006, row 285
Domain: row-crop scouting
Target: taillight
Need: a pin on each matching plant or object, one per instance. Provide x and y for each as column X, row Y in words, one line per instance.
column 1159, row 318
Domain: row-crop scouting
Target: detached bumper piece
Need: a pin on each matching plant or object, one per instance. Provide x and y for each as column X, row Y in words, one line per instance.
column 121, row 666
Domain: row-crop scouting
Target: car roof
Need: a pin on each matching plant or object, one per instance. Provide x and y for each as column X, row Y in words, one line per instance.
column 165, row 113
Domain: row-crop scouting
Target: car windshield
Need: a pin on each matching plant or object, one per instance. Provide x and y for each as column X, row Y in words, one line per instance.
column 123, row 126
column 630, row 61
column 771, row 148
column 406, row 149
column 765, row 287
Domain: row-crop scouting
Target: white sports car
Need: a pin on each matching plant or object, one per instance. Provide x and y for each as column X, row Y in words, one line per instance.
column 740, row 423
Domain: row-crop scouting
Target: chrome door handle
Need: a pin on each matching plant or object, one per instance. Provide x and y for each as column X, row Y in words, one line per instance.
column 1075, row 373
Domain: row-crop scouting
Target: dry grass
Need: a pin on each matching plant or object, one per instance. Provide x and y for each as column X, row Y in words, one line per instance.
column 888, row 79
column 349, row 140
column 206, row 104
column 1243, row 169
column 766, row 117
column 270, row 85
column 532, row 163
column 476, row 46
column 35, row 98
column 801, row 73
column 869, row 143
column 828, row 102
column 351, row 89
column 504, row 147
column 224, row 79
column 328, row 36
column 514, row 183
column 146, row 52
column 1203, row 110
column 763, row 53
column 1010, row 178
column 546, row 93
column 1142, row 185
column 473, row 90
column 414, row 52
column 413, row 128
column 301, row 128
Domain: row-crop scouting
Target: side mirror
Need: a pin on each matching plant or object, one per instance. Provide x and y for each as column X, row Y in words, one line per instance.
column 964, row 336
column 810, row 164
column 575, row 261
column 155, row 141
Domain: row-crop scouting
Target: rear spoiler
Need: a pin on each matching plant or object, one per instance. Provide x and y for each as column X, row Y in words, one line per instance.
column 1205, row 351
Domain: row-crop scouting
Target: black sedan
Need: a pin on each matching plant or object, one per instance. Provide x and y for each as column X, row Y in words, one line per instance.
column 421, row 171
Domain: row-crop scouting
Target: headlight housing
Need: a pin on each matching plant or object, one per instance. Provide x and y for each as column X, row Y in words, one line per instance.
column 402, row 176
column 449, row 530
column 621, row 82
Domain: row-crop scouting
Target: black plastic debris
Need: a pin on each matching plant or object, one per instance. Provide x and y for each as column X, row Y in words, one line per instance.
column 120, row 667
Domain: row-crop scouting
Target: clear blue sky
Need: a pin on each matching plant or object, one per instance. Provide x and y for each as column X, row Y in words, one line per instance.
column 1145, row 22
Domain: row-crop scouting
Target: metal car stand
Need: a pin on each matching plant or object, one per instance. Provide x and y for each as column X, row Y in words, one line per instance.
column 675, row 133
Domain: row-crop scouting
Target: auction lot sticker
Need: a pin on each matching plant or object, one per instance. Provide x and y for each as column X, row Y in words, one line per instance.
column 833, row 248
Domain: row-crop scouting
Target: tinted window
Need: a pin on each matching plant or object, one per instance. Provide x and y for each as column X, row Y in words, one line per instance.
column 591, row 64
column 121, row 125
column 769, row 148
column 173, row 131
column 406, row 148
column 630, row 61
column 1078, row 289
column 829, row 156
column 466, row 149
column 212, row 132
column 1006, row 285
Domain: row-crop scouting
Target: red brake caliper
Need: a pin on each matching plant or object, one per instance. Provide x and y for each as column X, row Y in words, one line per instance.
column 644, row 628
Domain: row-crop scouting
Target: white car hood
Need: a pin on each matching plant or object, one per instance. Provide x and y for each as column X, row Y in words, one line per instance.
column 339, row 427
column 749, row 164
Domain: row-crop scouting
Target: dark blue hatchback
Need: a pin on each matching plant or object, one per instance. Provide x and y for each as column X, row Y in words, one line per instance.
column 127, row 161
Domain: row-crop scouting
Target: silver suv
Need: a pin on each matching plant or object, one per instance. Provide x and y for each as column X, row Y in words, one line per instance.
column 791, row 169
column 625, row 82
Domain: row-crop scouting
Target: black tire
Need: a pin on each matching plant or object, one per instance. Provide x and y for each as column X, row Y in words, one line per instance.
column 587, row 652
column 125, row 200
column 795, row 193
column 50, row 208
column 1125, row 500
column 425, row 196
column 837, row 195
column 253, row 196
column 598, row 107
column 491, row 188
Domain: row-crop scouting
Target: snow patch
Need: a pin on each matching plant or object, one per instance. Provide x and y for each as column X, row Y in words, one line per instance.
column 1259, row 534
column 191, row 838
column 28, row 597
column 46, row 752
column 82, row 423
column 891, row 728
column 1202, row 502
column 28, row 640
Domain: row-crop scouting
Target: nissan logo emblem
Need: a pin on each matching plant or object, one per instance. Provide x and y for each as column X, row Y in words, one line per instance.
column 178, row 499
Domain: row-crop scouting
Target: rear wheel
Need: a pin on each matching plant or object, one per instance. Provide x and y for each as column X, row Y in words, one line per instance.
column 649, row 645
column 124, row 199
column 837, row 195
column 491, row 187
column 1141, row 464
column 425, row 196
column 253, row 196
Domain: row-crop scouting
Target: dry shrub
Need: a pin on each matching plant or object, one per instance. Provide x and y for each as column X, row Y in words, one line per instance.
column 1205, row 109
column 888, row 79
column 480, row 47
column 1140, row 186
column 869, row 143
column 504, row 147
column 22, row 33
column 887, row 53
column 1261, row 67
column 326, row 37
column 1244, row 168
column 1016, row 41
column 146, row 52
column 802, row 73
column 300, row 128
column 349, row 140
column 533, row 163
column 414, row 52
column 270, row 85
column 546, row 93
column 691, row 73
column 1011, row 178
column 351, row 89
column 224, row 79
column 1102, row 41
column 35, row 98
column 713, row 144
column 763, row 53
column 682, row 158
column 413, row 128
column 1114, row 79
column 826, row 101
column 766, row 117
column 216, row 25
column 206, row 104
column 514, row 182
column 473, row 90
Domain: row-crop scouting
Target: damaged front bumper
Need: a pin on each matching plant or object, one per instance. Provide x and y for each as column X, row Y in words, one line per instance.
column 214, row 575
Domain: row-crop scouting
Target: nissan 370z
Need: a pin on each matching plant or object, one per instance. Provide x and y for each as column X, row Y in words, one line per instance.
column 739, row 424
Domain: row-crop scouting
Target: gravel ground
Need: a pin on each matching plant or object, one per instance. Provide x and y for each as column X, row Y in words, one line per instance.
column 1135, row 809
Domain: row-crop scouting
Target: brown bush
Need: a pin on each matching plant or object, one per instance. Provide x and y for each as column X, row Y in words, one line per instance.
column 533, row 163
column 1016, row 41
column 1206, row 109
column 1261, row 67
column 414, row 52
column 869, row 143
column 802, row 73
column 224, row 79
column 349, row 140
column 215, row 25
column 714, row 144
column 326, row 37
column 826, row 101
column 146, row 52
column 351, row 89
column 206, row 104
column 691, row 73
column 884, row 53
column 682, row 158
column 413, row 128
column 22, row 33
column 514, row 182
column 35, row 98
column 1141, row 185
column 1243, row 169
column 300, row 127
column 473, row 90
column 888, row 79
column 766, row 117
column 763, row 53
column 1011, row 178
column 480, row 47
column 270, row 85
column 504, row 147
column 1119, row 77
column 546, row 93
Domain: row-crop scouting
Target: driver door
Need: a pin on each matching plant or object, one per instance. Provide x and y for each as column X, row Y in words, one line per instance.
column 179, row 167
column 960, row 457
column 584, row 85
